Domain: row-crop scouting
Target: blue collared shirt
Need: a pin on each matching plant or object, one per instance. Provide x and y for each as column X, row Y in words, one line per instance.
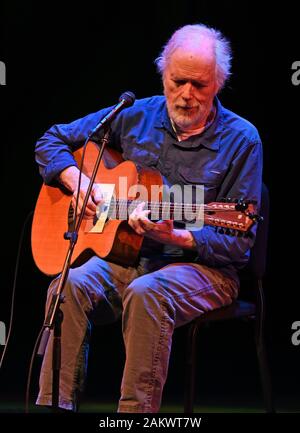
column 226, row 158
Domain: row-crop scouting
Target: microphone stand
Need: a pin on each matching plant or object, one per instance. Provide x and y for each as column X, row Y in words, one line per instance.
column 54, row 316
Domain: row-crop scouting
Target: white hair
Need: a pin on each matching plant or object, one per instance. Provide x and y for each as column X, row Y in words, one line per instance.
column 196, row 32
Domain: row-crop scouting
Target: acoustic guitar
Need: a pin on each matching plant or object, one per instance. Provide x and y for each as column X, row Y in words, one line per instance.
column 108, row 235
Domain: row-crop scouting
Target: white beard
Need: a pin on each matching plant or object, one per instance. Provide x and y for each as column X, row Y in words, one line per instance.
column 186, row 120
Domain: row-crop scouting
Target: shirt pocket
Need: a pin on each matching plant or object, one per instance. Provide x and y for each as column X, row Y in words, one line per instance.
column 141, row 154
column 210, row 179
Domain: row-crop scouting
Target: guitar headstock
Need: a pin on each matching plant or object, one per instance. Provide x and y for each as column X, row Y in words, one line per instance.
column 233, row 216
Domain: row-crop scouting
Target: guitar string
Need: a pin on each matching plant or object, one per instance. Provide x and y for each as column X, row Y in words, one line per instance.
column 123, row 207
column 124, row 204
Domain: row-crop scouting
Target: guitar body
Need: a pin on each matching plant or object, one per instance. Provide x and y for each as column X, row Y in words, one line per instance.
column 117, row 242
column 108, row 235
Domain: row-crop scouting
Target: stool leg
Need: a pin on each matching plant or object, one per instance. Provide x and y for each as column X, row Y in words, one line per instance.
column 262, row 356
column 190, row 368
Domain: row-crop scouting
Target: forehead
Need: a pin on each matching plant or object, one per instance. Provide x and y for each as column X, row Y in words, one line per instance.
column 191, row 62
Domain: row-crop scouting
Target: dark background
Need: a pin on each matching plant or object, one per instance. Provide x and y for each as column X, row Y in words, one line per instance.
column 65, row 60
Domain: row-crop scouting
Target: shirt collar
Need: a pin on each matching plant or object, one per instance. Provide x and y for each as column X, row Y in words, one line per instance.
column 209, row 138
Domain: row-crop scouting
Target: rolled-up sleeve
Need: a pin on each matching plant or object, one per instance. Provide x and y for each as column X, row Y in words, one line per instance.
column 243, row 180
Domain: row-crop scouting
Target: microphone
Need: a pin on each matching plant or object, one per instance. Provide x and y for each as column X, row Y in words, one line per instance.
column 126, row 100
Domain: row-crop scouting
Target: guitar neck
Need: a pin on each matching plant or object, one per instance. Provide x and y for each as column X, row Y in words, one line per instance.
column 215, row 214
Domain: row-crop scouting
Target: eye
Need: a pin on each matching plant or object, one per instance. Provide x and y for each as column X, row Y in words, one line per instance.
column 179, row 82
column 198, row 85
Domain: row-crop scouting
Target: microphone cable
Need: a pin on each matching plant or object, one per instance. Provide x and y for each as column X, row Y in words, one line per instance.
column 13, row 296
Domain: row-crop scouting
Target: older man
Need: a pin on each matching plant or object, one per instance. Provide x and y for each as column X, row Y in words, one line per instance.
column 191, row 139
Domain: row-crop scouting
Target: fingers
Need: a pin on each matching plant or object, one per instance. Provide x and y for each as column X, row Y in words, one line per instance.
column 96, row 194
column 90, row 207
column 138, row 220
column 94, row 200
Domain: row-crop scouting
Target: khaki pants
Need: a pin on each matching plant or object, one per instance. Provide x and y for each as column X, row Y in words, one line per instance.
column 151, row 304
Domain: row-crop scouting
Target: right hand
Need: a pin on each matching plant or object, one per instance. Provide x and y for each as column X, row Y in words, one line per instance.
column 95, row 198
column 69, row 178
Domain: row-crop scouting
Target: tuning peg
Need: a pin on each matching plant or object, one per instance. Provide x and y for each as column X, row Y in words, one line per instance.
column 255, row 217
column 226, row 200
column 228, row 232
column 240, row 200
column 221, row 230
column 241, row 205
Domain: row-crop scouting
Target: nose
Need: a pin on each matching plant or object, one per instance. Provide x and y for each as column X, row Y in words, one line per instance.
column 187, row 91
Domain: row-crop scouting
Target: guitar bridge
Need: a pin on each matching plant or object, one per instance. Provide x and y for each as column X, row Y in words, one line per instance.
column 103, row 209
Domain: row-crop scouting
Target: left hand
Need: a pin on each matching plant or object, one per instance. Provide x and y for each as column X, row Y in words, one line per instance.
column 160, row 231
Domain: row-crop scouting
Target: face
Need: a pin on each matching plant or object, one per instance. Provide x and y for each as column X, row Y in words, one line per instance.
column 190, row 86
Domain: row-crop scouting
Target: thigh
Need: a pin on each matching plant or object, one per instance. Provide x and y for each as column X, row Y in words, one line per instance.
column 95, row 286
column 98, row 274
column 191, row 288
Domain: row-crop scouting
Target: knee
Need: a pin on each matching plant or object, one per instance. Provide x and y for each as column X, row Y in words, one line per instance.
column 75, row 278
column 143, row 290
column 72, row 286
column 146, row 298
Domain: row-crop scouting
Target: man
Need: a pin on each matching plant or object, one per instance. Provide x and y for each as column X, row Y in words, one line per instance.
column 191, row 139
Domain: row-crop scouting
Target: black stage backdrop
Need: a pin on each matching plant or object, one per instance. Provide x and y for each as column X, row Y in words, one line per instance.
column 66, row 60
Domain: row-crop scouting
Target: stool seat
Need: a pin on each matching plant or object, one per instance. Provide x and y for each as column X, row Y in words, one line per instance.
column 237, row 309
